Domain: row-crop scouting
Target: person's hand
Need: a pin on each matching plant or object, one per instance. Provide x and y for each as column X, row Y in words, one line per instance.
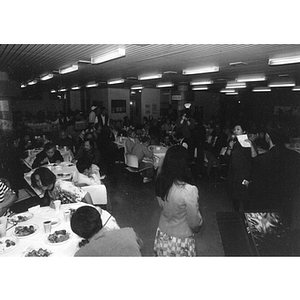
column 231, row 143
column 45, row 161
column 52, row 204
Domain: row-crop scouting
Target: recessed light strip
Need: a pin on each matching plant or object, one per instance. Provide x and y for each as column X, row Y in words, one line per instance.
column 250, row 79
column 163, row 85
column 200, row 70
column 203, row 82
column 284, row 60
column 147, row 77
column 120, row 52
column 73, row 68
column 281, row 84
column 46, row 77
column 199, row 88
column 261, row 89
column 115, row 81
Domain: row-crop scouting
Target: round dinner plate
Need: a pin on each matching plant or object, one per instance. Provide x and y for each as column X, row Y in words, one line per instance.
column 57, row 244
column 26, row 236
column 21, row 217
column 6, row 247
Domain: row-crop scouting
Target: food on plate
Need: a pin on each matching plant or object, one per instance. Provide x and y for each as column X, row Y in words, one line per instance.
column 58, row 236
column 24, row 230
column 8, row 243
column 21, row 217
column 38, row 253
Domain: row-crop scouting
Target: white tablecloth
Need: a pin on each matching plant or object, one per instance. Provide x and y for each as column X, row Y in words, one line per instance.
column 38, row 239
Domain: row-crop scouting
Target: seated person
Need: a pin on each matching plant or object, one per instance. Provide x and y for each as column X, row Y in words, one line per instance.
column 86, row 222
column 90, row 150
column 7, row 196
column 66, row 141
column 57, row 189
column 88, row 173
column 131, row 141
column 48, row 155
column 145, row 158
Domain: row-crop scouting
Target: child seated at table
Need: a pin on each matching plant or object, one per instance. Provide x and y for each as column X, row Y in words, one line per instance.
column 7, row 196
column 88, row 173
column 86, row 222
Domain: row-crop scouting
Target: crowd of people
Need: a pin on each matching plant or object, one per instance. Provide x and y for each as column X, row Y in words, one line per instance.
column 261, row 173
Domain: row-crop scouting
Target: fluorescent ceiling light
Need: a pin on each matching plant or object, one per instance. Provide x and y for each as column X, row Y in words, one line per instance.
column 250, row 79
column 203, row 82
column 227, row 91
column 32, row 82
column 23, row 86
column 200, row 70
column 281, row 84
column 146, row 77
column 296, row 88
column 115, row 81
column 73, row 68
column 62, row 90
column 136, row 87
column 166, row 84
column 92, row 84
column 133, row 92
column 187, row 105
column 236, row 85
column 46, row 77
column 261, row 89
column 200, row 88
column 284, row 60
column 120, row 52
column 53, row 91
column 234, row 93
column 75, row 88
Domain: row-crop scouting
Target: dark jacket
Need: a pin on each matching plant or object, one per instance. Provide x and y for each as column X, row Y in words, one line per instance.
column 42, row 155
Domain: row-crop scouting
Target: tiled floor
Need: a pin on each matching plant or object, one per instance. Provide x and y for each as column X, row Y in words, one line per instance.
column 134, row 205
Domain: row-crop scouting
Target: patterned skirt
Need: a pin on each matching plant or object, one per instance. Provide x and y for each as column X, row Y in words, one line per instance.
column 167, row 245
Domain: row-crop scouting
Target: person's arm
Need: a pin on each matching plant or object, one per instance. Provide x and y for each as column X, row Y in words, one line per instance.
column 58, row 157
column 194, row 217
column 10, row 198
column 253, row 150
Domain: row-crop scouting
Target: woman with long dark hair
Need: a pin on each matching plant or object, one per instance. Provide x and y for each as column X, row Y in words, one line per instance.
column 178, row 197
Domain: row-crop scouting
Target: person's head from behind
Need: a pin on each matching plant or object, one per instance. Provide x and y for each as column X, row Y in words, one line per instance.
column 145, row 141
column 43, row 179
column 83, row 165
column 86, row 222
column 175, row 170
column 50, row 149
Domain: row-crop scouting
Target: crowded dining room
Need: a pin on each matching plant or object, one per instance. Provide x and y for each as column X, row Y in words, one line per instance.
column 154, row 150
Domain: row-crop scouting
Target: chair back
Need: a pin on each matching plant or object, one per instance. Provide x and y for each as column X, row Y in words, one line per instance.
column 98, row 193
column 131, row 160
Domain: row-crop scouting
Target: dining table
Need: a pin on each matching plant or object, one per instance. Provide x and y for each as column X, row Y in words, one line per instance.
column 14, row 245
column 159, row 154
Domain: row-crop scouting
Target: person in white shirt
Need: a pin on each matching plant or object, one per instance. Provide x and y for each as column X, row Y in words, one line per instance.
column 88, row 173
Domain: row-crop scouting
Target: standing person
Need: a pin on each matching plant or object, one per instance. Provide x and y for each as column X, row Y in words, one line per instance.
column 92, row 118
column 239, row 170
column 103, row 118
column 276, row 177
column 178, row 197
column 48, row 155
